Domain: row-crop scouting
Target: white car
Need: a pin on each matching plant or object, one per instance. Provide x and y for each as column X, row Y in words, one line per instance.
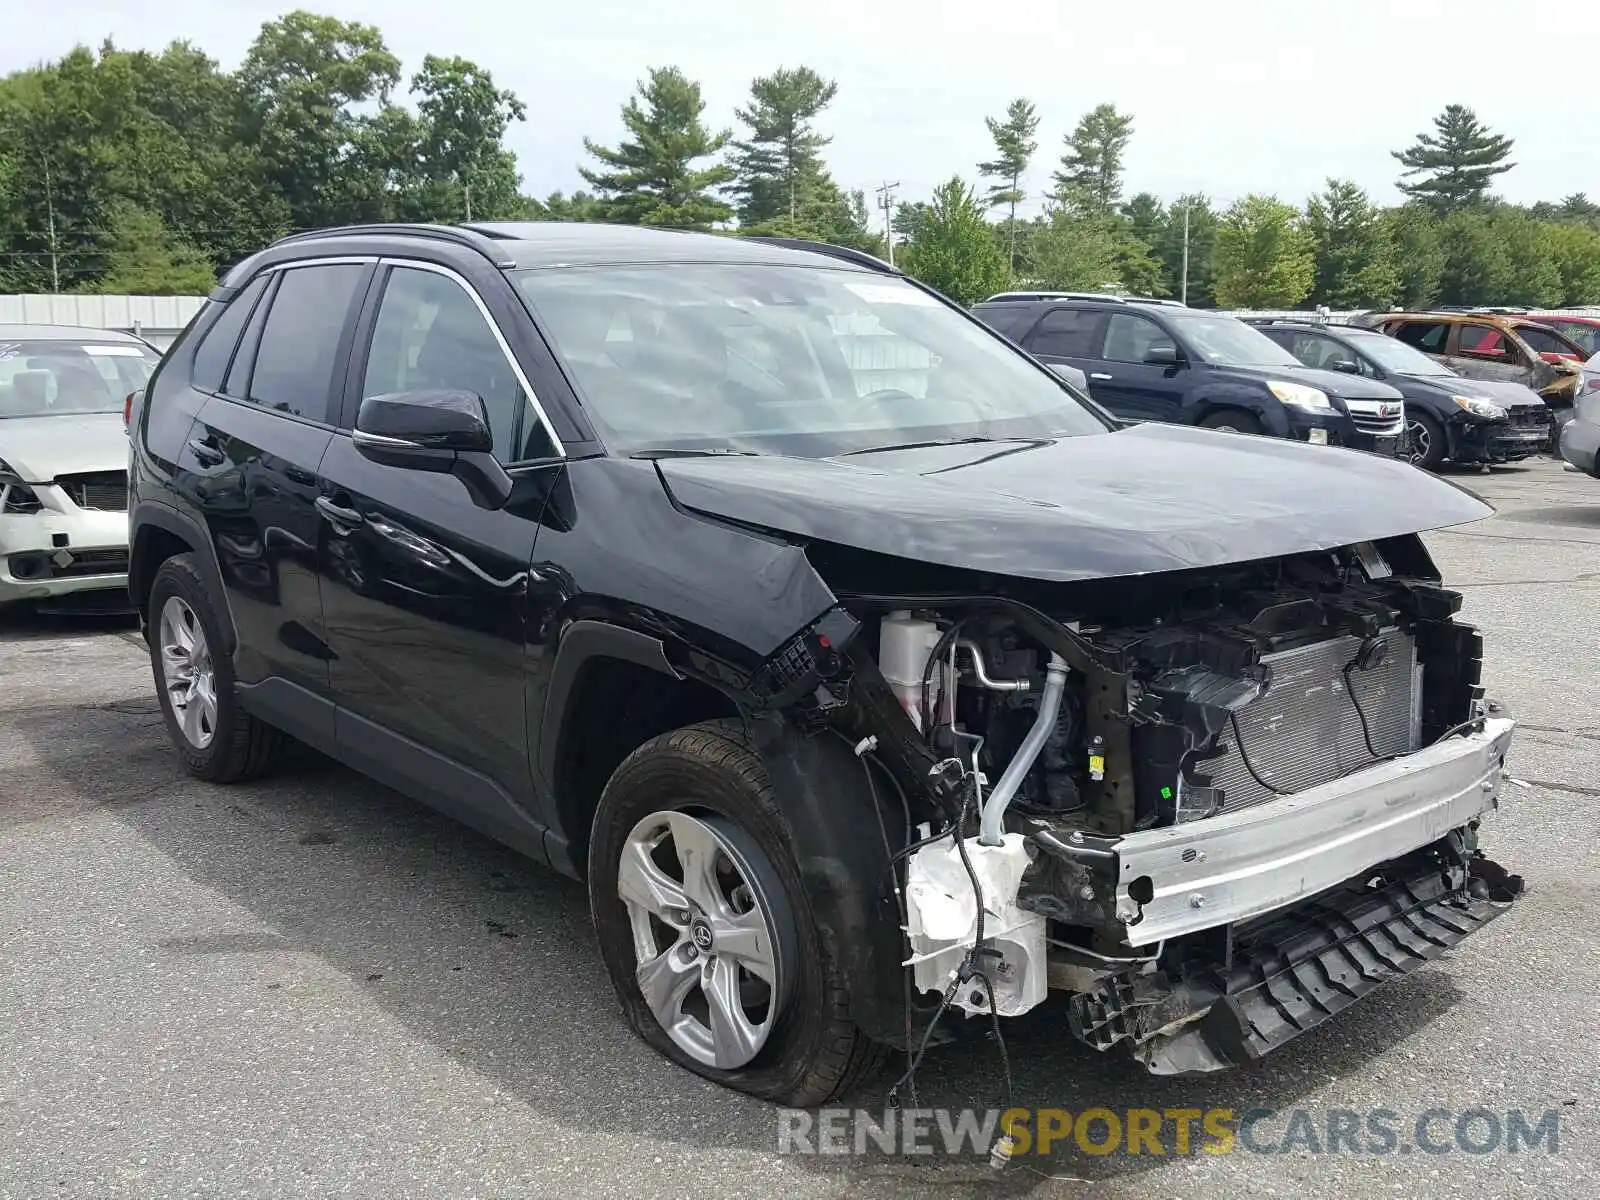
column 64, row 460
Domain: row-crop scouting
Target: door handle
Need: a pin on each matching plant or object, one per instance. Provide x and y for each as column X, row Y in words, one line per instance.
column 1098, row 375
column 337, row 513
column 206, row 451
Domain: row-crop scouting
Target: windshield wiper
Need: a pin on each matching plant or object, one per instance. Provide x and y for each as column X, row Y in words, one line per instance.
column 954, row 441
column 680, row 452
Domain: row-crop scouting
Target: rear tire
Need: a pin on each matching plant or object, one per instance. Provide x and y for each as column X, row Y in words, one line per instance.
column 1231, row 420
column 704, row 789
column 216, row 739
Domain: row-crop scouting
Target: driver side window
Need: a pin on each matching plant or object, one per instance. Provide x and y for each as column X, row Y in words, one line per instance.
column 430, row 335
column 1130, row 339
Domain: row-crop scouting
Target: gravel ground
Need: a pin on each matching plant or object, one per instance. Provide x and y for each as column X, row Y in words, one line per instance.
column 312, row 987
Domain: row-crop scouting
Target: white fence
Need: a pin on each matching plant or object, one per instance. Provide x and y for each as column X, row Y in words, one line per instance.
column 158, row 319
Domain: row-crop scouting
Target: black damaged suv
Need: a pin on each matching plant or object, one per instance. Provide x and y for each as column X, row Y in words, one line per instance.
column 723, row 573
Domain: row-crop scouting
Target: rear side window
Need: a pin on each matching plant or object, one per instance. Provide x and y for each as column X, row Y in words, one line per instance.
column 1542, row 340
column 1065, row 333
column 216, row 347
column 1430, row 337
column 1008, row 319
column 295, row 360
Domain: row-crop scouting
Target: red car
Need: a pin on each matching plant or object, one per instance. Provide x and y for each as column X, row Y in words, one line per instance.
column 1583, row 330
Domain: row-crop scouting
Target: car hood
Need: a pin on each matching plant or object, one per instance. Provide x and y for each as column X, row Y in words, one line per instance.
column 1337, row 383
column 1147, row 499
column 41, row 448
column 1503, row 392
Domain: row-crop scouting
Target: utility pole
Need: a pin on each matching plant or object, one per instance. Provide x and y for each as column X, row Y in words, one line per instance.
column 468, row 189
column 50, row 210
column 1183, row 290
column 886, row 202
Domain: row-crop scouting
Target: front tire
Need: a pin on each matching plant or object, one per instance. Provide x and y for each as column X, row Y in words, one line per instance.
column 1231, row 420
column 216, row 739
column 706, row 930
column 1429, row 443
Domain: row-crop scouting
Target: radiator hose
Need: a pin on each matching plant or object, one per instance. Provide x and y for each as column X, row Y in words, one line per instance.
column 991, row 828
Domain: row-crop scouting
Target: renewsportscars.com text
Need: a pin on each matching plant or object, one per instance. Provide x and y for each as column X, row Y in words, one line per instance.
column 1172, row 1131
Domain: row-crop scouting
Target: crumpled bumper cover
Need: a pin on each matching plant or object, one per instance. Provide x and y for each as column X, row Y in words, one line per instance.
column 1235, row 867
column 1289, row 974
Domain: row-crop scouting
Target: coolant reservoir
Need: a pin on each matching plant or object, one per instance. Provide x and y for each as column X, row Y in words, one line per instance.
column 904, row 645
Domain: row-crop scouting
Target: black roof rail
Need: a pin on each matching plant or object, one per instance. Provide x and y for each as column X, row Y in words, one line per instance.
column 471, row 239
column 860, row 257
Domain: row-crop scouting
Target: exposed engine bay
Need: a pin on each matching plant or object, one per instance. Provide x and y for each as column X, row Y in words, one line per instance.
column 1214, row 806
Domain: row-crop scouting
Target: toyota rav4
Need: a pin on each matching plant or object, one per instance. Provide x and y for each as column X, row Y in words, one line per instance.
column 875, row 680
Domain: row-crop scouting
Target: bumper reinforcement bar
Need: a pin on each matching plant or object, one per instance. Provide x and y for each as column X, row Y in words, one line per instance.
column 1290, row 973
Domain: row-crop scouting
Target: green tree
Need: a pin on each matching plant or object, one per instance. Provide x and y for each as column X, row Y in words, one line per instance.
column 953, row 248
column 1353, row 249
column 1089, row 180
column 1578, row 207
column 777, row 168
column 1014, row 146
column 146, row 259
column 1418, row 255
column 558, row 206
column 305, row 78
column 1576, row 251
column 908, row 218
column 1202, row 223
column 1072, row 253
column 652, row 177
column 1263, row 255
column 1457, row 162
column 1146, row 217
column 1533, row 273
column 1477, row 263
column 462, row 121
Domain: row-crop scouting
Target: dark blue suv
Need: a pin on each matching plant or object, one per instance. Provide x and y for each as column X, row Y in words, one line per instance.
column 1149, row 362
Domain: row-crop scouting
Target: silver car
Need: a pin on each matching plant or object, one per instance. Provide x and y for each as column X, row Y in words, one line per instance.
column 64, row 459
column 1580, row 437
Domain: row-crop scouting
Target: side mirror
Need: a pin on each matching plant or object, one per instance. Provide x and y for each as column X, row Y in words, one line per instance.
column 1345, row 366
column 1071, row 374
column 443, row 432
column 1162, row 356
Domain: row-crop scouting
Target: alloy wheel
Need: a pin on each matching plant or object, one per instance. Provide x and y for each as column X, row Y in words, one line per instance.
column 187, row 672
column 1421, row 443
column 712, row 934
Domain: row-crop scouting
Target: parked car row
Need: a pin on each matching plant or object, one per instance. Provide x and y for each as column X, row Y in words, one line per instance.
column 1467, row 388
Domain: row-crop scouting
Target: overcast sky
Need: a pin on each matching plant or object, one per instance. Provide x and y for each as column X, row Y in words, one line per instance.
column 1228, row 96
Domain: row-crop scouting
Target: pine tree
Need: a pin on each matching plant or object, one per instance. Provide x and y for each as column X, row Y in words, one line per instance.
column 1353, row 249
column 776, row 164
column 954, row 249
column 1014, row 146
column 653, row 180
column 1090, row 177
column 1459, row 161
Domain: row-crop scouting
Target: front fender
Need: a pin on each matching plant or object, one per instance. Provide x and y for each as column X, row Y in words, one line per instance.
column 838, row 829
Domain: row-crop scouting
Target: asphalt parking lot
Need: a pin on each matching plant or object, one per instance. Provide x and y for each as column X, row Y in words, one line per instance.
column 312, row 987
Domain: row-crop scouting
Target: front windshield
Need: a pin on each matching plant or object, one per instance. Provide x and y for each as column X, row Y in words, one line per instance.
column 1231, row 343
column 48, row 378
column 807, row 361
column 1394, row 355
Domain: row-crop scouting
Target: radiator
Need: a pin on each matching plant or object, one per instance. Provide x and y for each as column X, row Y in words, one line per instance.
column 1304, row 730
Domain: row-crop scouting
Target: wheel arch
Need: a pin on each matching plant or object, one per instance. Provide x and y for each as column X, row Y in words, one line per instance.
column 160, row 533
column 610, row 690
